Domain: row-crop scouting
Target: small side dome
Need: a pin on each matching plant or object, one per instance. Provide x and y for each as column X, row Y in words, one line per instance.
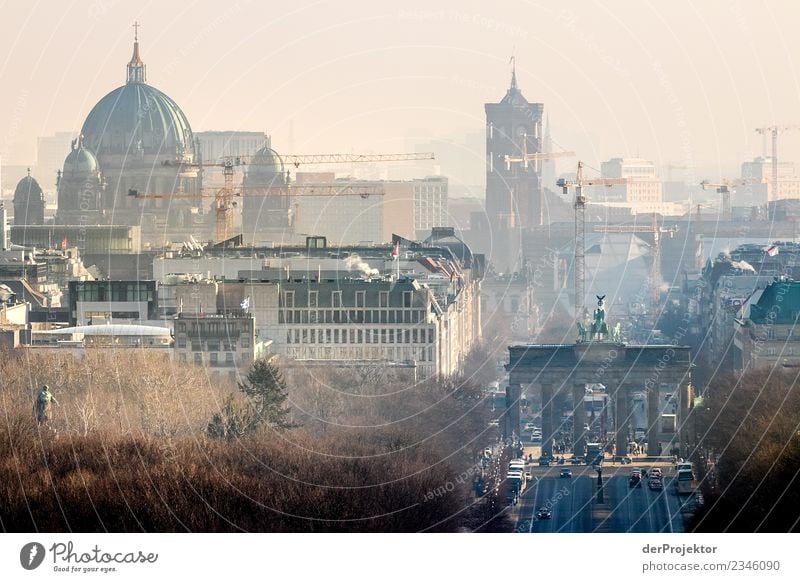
column 265, row 169
column 80, row 160
column 28, row 189
column 267, row 159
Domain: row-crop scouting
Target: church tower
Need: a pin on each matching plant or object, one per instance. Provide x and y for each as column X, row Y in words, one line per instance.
column 513, row 194
column 80, row 188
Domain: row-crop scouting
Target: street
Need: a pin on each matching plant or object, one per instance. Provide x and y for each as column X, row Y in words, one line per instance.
column 624, row 509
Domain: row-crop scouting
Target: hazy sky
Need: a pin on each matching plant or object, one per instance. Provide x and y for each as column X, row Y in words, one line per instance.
column 676, row 82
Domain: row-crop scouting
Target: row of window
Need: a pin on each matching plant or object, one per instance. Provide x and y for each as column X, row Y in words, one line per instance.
column 213, row 359
column 114, row 291
column 352, row 316
column 211, row 345
column 362, row 353
column 359, row 336
column 336, row 299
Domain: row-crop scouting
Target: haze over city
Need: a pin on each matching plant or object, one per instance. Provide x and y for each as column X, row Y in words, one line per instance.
column 683, row 84
column 522, row 267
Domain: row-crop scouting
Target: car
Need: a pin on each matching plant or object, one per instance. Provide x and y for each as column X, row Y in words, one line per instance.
column 566, row 472
column 625, row 460
column 655, row 472
column 530, row 426
column 656, row 485
column 487, row 452
column 544, row 513
column 576, row 461
column 544, row 461
column 635, row 480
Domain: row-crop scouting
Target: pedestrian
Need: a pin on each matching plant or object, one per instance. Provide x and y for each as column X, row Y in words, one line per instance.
column 43, row 406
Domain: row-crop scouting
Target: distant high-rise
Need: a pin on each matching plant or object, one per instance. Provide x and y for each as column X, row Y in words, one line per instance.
column 513, row 194
column 50, row 153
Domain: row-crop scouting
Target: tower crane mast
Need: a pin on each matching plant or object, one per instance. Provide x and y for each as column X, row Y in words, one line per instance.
column 724, row 188
column 774, row 131
column 580, row 229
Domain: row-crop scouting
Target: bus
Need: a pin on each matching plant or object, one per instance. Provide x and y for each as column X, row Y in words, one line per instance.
column 594, row 453
column 684, row 482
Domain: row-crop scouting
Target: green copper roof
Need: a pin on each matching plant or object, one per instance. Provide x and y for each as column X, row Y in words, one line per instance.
column 80, row 160
column 779, row 303
column 137, row 118
column 266, row 166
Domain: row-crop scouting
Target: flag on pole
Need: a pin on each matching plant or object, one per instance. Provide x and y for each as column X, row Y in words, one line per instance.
column 396, row 249
column 772, row 251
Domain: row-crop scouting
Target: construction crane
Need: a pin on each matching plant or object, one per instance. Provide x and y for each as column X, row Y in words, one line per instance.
column 724, row 188
column 223, row 197
column 774, row 131
column 526, row 158
column 655, row 263
column 580, row 229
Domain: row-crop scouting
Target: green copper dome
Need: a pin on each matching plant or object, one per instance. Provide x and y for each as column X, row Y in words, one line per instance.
column 266, row 167
column 80, row 160
column 137, row 119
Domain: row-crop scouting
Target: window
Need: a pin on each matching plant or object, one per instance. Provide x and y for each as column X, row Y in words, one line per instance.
column 229, row 358
column 245, row 342
column 336, row 299
column 353, row 336
column 383, row 299
column 313, row 299
column 336, row 336
column 391, row 336
column 360, row 336
column 182, row 342
column 214, row 358
column 196, row 346
column 361, row 298
column 198, row 358
column 383, row 336
column 288, row 299
column 407, row 298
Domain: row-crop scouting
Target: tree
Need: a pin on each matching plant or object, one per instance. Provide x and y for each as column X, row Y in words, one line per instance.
column 266, row 393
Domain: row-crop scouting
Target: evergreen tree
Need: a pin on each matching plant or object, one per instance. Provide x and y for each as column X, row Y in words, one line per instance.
column 266, row 393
